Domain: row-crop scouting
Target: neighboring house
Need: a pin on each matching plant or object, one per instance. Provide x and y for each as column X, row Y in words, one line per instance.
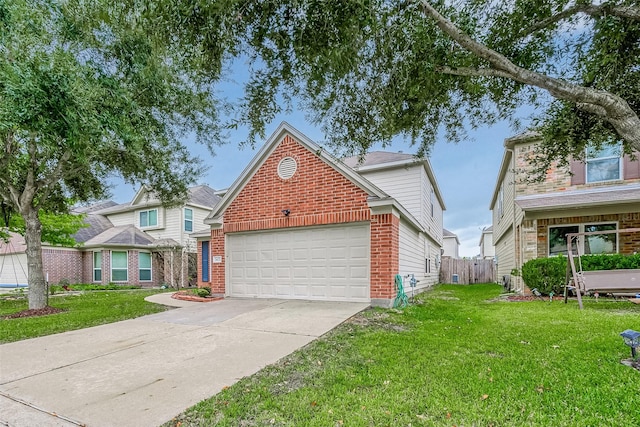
column 301, row 224
column 140, row 242
column 487, row 250
column 532, row 220
column 451, row 244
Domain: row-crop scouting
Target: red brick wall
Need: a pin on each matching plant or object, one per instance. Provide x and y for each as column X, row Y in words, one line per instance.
column 315, row 195
column 216, row 275
column 385, row 238
column 62, row 265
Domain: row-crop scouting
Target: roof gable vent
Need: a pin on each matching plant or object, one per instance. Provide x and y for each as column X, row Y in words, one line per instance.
column 287, row 167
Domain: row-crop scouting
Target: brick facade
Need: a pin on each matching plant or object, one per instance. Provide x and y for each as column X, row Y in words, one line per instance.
column 62, row 265
column 316, row 194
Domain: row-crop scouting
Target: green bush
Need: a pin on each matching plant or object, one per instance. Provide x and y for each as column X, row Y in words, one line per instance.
column 545, row 274
column 203, row 292
column 549, row 274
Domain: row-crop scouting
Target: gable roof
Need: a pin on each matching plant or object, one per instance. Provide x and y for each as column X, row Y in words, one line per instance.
column 378, row 160
column 96, row 225
column 446, row 234
column 268, row 148
column 203, row 195
column 125, row 235
column 200, row 195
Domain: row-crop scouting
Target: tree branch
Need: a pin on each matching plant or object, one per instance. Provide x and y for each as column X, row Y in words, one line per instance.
column 471, row 72
column 617, row 110
column 592, row 10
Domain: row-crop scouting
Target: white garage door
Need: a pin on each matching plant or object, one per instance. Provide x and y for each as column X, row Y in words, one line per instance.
column 317, row 263
column 13, row 269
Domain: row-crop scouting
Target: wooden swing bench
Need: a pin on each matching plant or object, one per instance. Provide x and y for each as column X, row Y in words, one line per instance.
column 615, row 282
column 610, row 281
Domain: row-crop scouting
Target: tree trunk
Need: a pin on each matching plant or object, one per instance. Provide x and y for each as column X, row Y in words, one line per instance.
column 38, row 296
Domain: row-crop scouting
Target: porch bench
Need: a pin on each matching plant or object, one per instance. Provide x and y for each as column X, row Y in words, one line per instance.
column 611, row 281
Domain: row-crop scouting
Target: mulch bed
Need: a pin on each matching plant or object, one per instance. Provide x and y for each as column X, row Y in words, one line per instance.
column 186, row 296
column 34, row 312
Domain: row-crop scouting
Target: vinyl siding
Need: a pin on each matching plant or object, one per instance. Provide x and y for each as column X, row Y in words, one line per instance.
column 121, row 218
column 403, row 184
column 411, row 187
column 505, row 252
column 414, row 249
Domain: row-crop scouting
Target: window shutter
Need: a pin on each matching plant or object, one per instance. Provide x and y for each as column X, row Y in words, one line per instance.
column 578, row 170
column 631, row 168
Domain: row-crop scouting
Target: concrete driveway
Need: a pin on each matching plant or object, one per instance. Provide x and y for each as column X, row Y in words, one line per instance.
column 143, row 372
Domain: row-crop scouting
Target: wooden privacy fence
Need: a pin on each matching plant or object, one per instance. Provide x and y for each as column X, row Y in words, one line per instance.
column 467, row 271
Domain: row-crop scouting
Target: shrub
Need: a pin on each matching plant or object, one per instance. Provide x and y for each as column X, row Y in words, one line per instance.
column 203, row 292
column 545, row 274
column 549, row 274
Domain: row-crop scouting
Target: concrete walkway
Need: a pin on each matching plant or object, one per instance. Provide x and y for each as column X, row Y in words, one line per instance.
column 143, row 372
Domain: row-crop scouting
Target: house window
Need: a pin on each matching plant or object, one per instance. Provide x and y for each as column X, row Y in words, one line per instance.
column 144, row 266
column 119, row 266
column 97, row 266
column 501, row 201
column 149, row 218
column 603, row 164
column 427, row 265
column 188, row 219
column 596, row 244
column 205, row 261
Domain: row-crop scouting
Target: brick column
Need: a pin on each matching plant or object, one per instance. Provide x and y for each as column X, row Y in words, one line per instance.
column 216, row 249
column 385, row 238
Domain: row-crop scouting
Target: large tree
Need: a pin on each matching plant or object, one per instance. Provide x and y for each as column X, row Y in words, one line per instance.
column 369, row 70
column 88, row 91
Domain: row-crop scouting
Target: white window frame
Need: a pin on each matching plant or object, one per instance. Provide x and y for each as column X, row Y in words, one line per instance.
column 150, row 269
column 601, row 158
column 501, row 201
column 147, row 212
column 581, row 239
column 189, row 221
column 97, row 268
column 120, row 269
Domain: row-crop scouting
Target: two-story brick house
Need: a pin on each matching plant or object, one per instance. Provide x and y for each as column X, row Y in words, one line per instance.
column 300, row 224
column 531, row 220
column 139, row 242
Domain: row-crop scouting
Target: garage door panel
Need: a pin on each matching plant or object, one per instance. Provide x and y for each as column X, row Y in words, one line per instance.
column 324, row 263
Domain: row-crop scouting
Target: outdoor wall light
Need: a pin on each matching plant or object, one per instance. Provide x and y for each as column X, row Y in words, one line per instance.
column 632, row 339
column 286, row 212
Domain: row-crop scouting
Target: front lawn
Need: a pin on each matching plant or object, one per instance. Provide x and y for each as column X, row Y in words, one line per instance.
column 81, row 310
column 457, row 357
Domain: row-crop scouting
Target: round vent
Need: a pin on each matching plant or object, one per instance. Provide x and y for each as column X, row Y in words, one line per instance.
column 287, row 167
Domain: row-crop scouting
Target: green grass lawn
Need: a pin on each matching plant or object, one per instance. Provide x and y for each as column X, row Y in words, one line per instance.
column 82, row 310
column 455, row 358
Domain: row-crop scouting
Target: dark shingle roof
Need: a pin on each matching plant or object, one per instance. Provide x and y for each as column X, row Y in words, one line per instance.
column 203, row 195
column 581, row 198
column 126, row 235
column 447, row 233
column 377, row 158
column 95, row 207
column 97, row 224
